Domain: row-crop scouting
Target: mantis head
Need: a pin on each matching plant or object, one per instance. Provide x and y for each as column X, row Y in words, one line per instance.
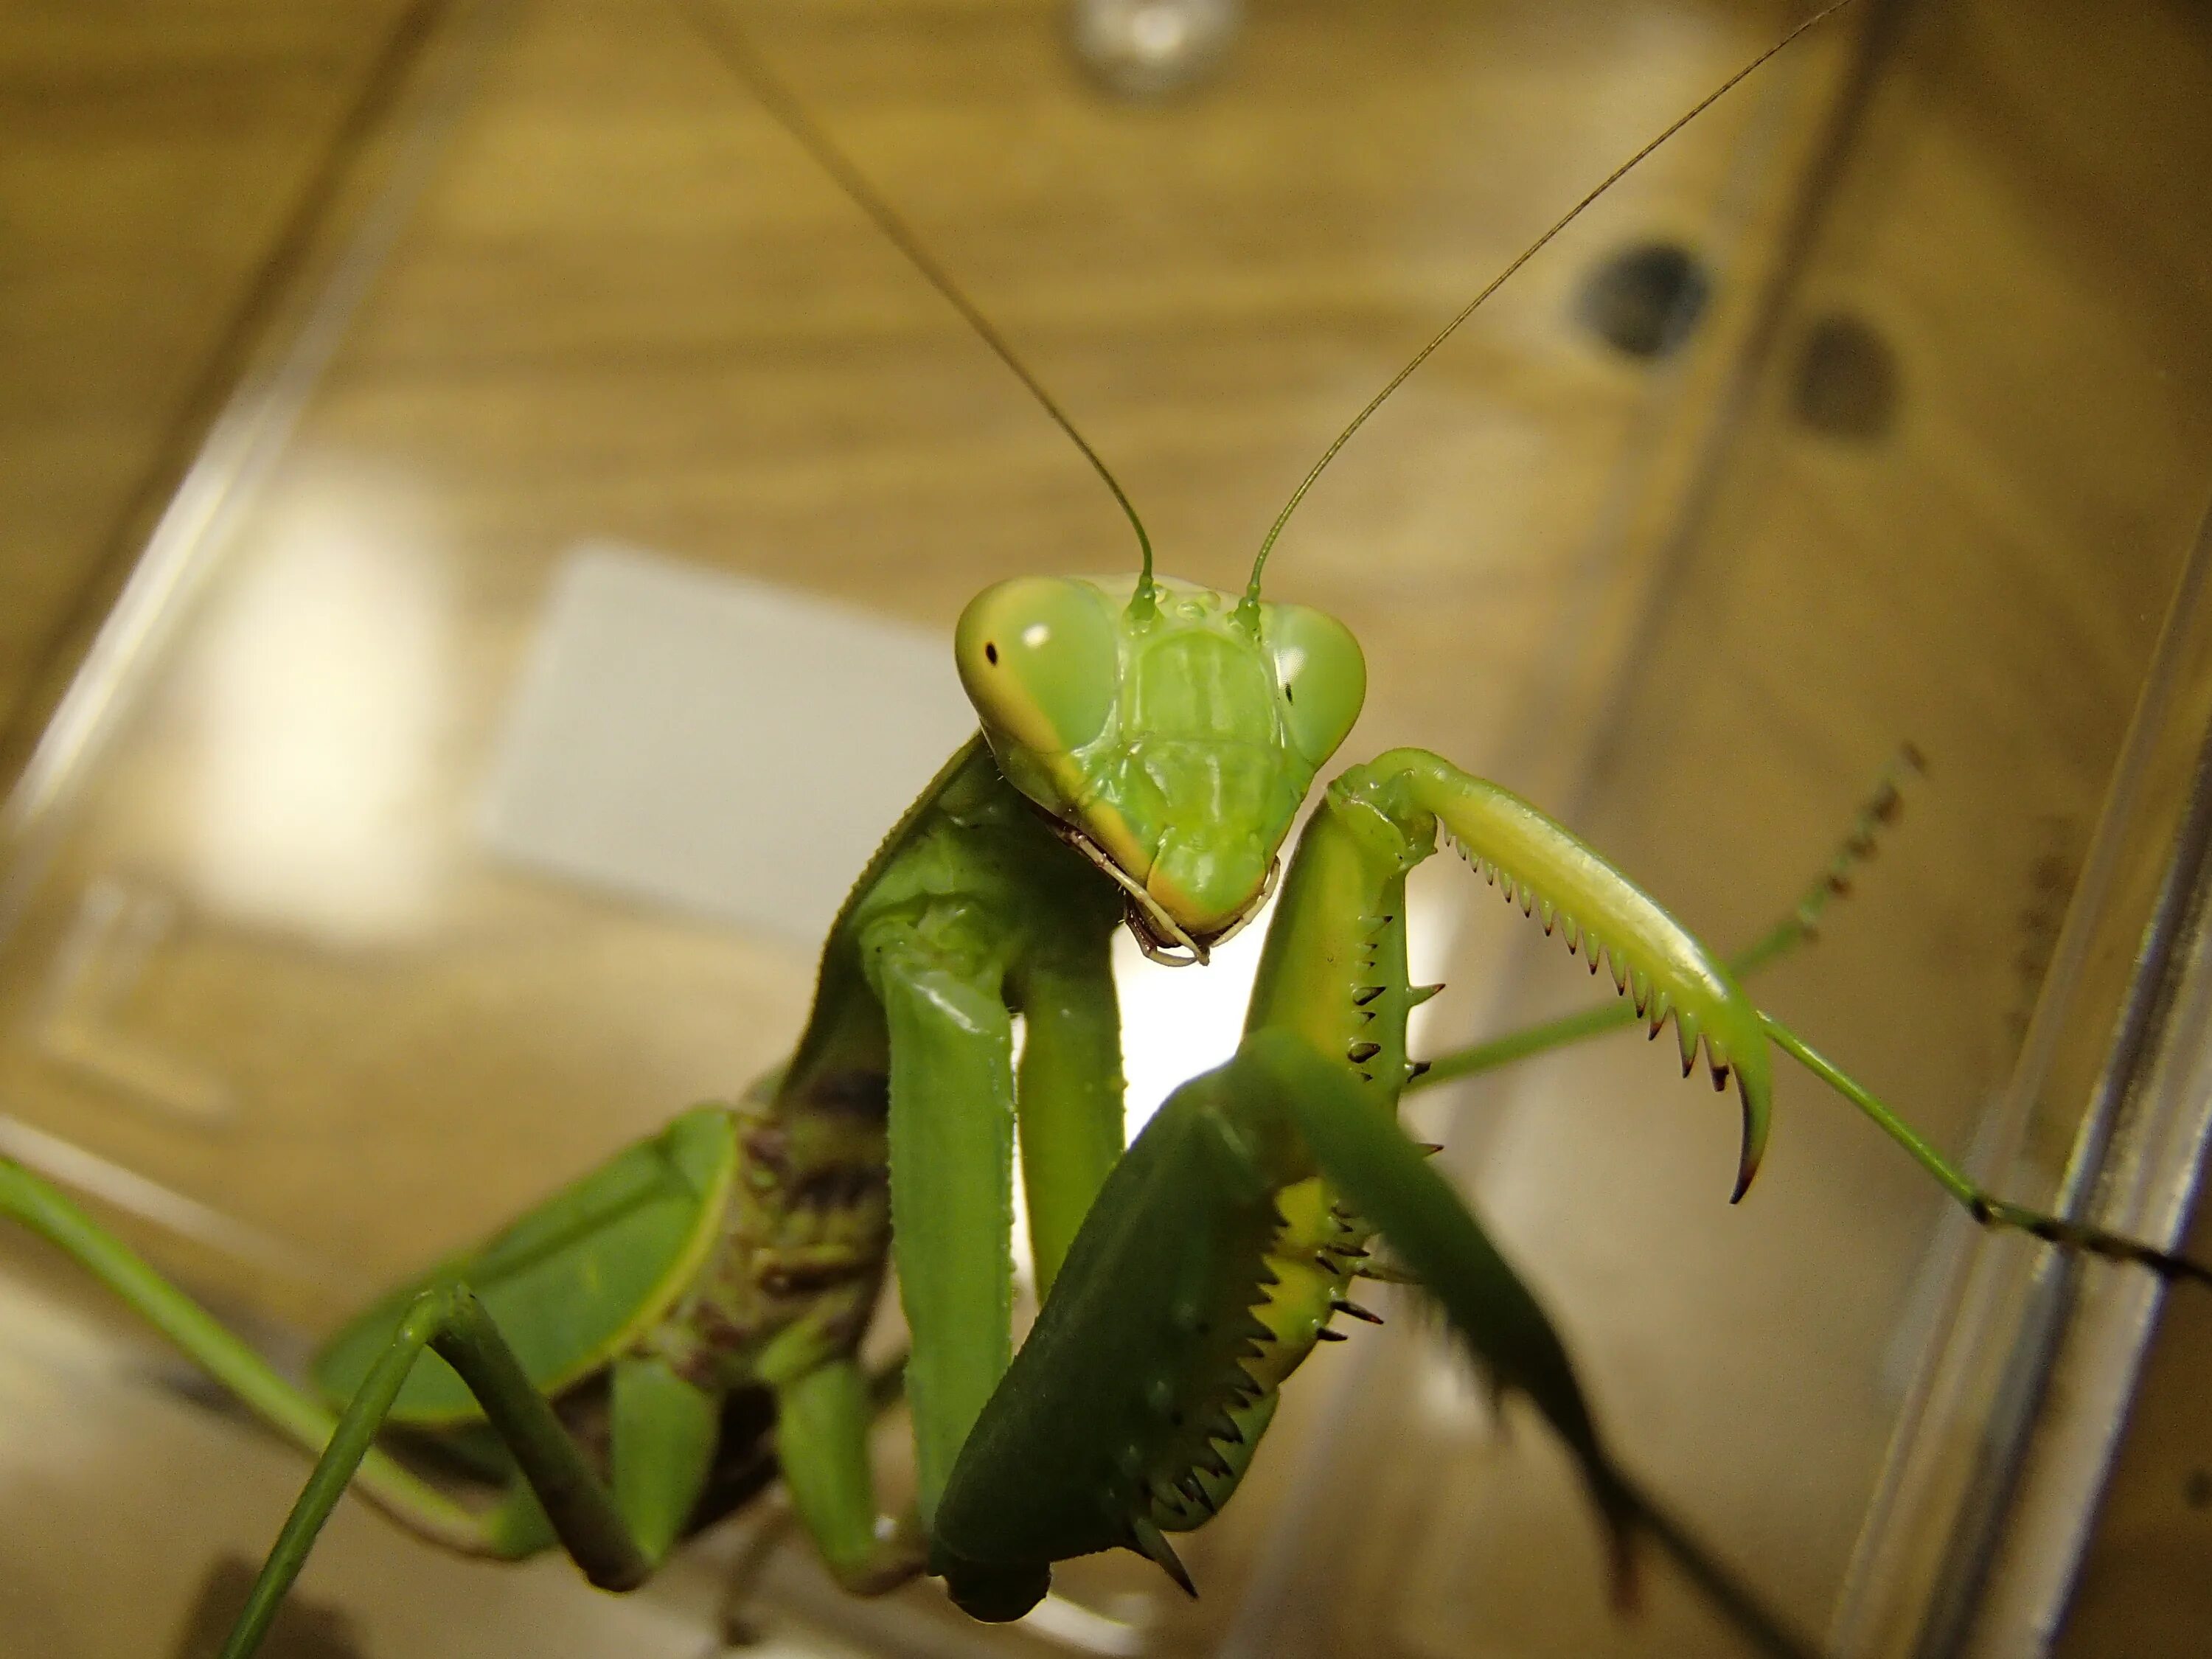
column 1168, row 731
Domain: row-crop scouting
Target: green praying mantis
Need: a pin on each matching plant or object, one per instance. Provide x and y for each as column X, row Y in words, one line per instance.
column 1146, row 746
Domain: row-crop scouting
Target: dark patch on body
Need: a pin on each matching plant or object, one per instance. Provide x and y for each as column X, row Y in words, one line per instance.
column 745, row 1458
column 860, row 1094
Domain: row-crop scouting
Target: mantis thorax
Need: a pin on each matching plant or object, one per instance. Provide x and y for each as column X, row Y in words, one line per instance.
column 1168, row 731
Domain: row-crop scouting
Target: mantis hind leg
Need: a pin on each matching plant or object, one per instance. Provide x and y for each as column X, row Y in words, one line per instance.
column 663, row 1431
column 664, row 1428
column 284, row 1408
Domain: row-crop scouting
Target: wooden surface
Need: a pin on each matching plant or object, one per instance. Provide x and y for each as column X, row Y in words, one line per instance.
column 161, row 170
column 1654, row 595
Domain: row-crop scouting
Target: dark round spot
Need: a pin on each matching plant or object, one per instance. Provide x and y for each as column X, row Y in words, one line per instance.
column 1847, row 382
column 1646, row 300
column 990, row 653
column 2197, row 1489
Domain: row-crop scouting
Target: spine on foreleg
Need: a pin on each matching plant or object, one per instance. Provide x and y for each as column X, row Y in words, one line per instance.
column 1334, row 975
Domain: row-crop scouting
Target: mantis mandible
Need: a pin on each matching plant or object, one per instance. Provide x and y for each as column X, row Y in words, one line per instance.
column 750, row 1241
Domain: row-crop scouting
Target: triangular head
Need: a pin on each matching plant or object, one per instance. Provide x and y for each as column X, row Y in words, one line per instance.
column 1169, row 731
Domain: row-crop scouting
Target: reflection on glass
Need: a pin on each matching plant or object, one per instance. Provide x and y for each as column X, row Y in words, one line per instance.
column 314, row 700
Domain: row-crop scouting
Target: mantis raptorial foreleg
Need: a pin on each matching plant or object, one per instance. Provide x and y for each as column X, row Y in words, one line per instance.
column 1148, row 1341
column 1522, row 882
column 1657, row 962
column 1226, row 1239
column 1797, row 926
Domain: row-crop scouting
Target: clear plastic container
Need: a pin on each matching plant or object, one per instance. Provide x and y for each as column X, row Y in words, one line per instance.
column 1832, row 428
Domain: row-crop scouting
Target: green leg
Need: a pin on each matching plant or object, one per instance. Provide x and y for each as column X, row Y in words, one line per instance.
column 1069, row 1096
column 1987, row 1210
column 560, row 1487
column 821, row 1449
column 952, row 1149
column 822, row 1427
column 1665, row 972
column 663, row 1432
column 1153, row 1316
column 296, row 1416
column 1801, row 925
column 1392, row 1184
column 1129, row 1380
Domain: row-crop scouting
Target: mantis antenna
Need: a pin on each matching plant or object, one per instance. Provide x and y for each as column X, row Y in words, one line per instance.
column 737, row 54
column 1247, row 609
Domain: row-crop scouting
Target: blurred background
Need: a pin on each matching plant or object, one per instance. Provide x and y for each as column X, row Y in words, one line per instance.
column 480, row 514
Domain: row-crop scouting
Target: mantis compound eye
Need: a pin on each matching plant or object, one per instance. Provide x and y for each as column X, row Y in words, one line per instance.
column 1040, row 660
column 1322, row 673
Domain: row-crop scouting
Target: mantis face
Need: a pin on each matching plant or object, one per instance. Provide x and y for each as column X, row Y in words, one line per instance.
column 1169, row 737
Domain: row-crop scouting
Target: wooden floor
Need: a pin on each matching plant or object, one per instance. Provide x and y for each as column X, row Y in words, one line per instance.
column 1924, row 468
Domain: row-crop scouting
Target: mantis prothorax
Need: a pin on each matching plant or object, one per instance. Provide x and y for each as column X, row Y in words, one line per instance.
column 1146, row 746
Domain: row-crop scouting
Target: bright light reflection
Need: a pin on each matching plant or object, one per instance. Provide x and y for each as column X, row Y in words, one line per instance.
column 315, row 706
column 1178, row 1022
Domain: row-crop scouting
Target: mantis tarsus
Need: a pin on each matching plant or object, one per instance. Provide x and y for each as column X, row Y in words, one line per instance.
column 979, row 907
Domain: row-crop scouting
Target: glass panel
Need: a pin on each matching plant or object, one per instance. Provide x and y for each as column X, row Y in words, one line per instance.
column 1823, row 431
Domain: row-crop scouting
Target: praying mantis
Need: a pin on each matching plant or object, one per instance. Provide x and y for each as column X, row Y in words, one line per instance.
column 971, row 1427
